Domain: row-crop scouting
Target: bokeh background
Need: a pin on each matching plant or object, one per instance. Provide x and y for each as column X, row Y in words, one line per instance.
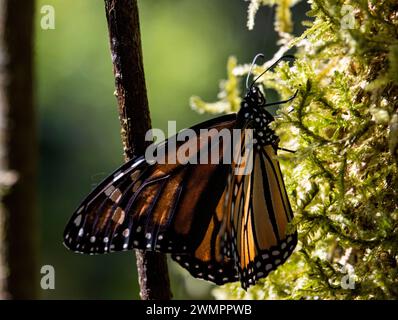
column 186, row 44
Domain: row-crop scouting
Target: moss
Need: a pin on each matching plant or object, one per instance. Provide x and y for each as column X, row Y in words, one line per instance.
column 344, row 126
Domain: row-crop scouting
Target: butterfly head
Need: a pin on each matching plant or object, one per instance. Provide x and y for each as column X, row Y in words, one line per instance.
column 256, row 96
column 254, row 103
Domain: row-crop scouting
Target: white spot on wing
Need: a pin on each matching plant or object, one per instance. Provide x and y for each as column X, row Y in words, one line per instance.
column 78, row 220
column 126, row 233
column 117, row 176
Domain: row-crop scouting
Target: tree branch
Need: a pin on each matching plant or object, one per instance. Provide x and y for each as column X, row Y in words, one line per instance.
column 125, row 42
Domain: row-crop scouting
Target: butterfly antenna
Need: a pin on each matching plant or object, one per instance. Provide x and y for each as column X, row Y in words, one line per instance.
column 286, row 57
column 251, row 69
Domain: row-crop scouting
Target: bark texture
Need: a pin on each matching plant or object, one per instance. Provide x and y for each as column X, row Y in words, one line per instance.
column 126, row 52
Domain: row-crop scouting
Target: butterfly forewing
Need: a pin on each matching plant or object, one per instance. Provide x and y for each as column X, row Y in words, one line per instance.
column 165, row 207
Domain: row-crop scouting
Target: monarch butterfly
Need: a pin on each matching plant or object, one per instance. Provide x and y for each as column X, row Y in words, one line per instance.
column 220, row 226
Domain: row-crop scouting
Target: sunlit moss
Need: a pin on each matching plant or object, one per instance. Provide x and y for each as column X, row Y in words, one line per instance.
column 283, row 17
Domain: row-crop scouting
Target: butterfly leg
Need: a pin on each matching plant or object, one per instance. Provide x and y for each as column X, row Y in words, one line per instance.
column 283, row 101
column 287, row 150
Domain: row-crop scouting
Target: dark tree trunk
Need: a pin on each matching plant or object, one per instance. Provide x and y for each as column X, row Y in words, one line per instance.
column 125, row 42
column 18, row 152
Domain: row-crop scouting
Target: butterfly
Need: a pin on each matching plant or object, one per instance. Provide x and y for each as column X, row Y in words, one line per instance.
column 220, row 224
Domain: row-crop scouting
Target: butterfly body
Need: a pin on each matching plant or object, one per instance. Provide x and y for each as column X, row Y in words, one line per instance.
column 219, row 225
column 252, row 110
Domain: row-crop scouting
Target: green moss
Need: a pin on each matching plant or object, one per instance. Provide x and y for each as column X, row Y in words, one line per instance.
column 345, row 128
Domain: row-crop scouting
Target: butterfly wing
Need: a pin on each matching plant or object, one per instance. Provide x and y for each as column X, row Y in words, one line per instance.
column 210, row 260
column 165, row 207
column 259, row 212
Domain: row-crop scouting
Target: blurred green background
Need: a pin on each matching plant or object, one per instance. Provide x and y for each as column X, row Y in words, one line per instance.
column 186, row 44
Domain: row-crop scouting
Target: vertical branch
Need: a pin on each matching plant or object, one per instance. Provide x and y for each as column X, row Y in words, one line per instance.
column 18, row 153
column 125, row 43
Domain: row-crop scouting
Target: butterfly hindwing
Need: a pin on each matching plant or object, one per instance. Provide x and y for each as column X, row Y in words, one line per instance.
column 210, row 260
